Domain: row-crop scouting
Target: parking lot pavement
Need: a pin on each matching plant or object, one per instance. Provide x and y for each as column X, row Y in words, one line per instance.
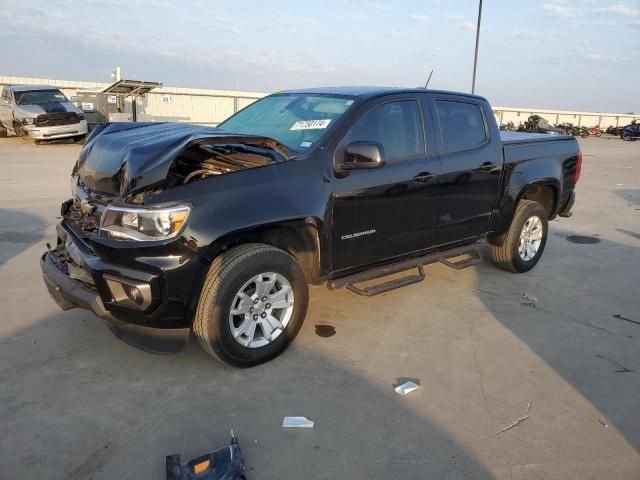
column 511, row 387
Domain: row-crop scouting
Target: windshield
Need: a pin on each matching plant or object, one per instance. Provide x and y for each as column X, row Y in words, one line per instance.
column 39, row 96
column 298, row 121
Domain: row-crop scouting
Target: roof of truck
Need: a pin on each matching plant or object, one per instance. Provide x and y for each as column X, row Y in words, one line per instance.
column 369, row 92
column 27, row 88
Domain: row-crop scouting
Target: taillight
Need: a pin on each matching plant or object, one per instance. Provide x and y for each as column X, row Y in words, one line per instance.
column 578, row 166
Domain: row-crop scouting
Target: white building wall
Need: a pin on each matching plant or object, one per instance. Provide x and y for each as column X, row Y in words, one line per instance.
column 210, row 107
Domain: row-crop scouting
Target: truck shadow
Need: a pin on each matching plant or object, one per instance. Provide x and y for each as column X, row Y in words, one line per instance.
column 91, row 407
column 630, row 195
column 575, row 318
column 18, row 231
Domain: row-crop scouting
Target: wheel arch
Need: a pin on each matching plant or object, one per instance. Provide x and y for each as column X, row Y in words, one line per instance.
column 298, row 237
column 543, row 191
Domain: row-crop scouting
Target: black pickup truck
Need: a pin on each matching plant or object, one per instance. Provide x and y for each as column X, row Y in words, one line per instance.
column 175, row 228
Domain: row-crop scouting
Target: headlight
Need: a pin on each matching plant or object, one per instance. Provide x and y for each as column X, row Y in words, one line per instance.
column 143, row 224
column 28, row 121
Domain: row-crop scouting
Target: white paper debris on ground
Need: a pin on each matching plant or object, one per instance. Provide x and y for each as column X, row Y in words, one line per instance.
column 297, row 422
column 529, row 298
column 406, row 388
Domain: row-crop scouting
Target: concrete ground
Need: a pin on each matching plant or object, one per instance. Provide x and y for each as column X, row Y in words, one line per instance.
column 76, row 403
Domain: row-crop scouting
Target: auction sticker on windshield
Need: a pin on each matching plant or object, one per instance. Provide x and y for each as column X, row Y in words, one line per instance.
column 311, row 124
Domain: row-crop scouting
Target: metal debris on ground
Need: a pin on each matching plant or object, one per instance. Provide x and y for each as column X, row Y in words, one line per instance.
column 622, row 368
column 516, row 422
column 529, row 300
column 297, row 422
column 223, row 464
column 406, row 388
column 620, row 317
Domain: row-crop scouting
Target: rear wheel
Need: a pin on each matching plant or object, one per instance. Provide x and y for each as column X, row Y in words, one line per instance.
column 252, row 305
column 525, row 240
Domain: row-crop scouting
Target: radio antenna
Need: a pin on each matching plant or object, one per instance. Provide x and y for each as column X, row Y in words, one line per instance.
column 426, row 85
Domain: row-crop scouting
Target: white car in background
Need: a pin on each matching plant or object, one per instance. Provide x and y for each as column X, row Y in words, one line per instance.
column 40, row 111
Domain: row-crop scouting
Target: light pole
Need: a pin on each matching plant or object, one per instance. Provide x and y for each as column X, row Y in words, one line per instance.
column 475, row 57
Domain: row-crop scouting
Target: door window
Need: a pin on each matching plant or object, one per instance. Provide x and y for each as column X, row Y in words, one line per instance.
column 462, row 125
column 397, row 126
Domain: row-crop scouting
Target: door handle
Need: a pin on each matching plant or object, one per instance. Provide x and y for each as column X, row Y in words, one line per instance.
column 487, row 167
column 424, row 177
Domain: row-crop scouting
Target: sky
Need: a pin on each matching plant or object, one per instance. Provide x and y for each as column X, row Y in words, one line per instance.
column 572, row 55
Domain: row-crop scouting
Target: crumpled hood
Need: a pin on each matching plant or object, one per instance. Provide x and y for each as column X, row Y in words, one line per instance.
column 30, row 111
column 124, row 158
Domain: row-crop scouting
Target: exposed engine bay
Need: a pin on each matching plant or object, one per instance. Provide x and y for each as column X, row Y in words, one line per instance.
column 201, row 160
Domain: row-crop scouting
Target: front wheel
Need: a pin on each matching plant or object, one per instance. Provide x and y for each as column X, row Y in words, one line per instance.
column 252, row 305
column 525, row 240
column 78, row 138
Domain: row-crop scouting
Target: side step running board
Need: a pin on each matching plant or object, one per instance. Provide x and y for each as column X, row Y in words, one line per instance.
column 349, row 282
column 474, row 259
column 388, row 286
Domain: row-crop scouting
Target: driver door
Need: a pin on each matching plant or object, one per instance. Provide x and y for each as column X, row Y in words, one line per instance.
column 385, row 212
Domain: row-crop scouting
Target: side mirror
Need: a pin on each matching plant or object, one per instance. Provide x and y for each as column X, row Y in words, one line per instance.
column 362, row 155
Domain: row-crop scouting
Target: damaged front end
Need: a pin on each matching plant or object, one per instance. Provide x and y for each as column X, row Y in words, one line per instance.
column 121, row 161
column 128, row 165
column 123, row 251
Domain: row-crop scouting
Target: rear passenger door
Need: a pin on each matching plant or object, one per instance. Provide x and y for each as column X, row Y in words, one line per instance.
column 383, row 213
column 471, row 157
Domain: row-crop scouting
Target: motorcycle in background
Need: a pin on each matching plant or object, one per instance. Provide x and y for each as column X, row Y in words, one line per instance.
column 631, row 131
column 508, row 127
column 567, row 127
column 595, row 131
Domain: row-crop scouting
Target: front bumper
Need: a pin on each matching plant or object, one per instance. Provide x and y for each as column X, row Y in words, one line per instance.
column 70, row 293
column 61, row 131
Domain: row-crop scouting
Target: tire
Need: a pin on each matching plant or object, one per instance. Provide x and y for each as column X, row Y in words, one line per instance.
column 3, row 132
column 508, row 256
column 227, row 276
column 19, row 130
column 78, row 138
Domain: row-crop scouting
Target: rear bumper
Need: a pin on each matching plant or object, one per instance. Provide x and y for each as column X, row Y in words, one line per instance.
column 566, row 210
column 69, row 293
column 61, row 131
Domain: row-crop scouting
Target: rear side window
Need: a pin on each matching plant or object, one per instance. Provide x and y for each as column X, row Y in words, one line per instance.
column 461, row 124
column 397, row 126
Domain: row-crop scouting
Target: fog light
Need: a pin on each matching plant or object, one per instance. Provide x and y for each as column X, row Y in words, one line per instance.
column 134, row 294
column 129, row 293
